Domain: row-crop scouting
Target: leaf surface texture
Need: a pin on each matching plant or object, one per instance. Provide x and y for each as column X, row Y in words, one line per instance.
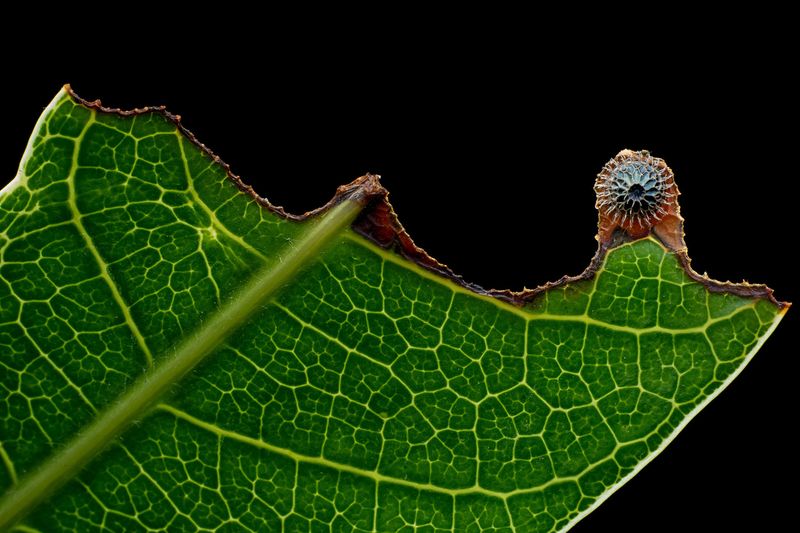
column 369, row 394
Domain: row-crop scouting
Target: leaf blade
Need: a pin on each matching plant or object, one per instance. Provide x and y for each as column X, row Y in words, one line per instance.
column 371, row 379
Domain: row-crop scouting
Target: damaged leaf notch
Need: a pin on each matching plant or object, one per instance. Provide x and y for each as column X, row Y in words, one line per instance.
column 636, row 197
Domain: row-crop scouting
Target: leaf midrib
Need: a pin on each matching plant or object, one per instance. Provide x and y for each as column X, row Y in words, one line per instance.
column 134, row 403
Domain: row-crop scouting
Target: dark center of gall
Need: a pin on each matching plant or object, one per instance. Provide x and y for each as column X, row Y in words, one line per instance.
column 636, row 192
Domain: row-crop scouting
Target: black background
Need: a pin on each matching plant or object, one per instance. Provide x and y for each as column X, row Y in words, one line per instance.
column 490, row 153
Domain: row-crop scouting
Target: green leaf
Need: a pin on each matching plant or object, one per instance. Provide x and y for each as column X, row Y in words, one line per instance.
column 308, row 374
